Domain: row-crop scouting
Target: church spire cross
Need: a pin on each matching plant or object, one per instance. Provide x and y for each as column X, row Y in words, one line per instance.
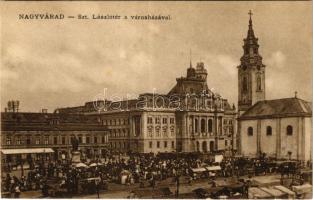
column 250, row 13
column 190, row 59
column 250, row 18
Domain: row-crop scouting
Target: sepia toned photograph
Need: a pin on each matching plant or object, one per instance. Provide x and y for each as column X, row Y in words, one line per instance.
column 156, row 99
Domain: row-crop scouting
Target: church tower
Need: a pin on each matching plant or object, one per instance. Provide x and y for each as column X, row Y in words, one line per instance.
column 251, row 73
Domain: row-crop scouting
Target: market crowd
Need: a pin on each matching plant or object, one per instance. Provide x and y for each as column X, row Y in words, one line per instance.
column 144, row 169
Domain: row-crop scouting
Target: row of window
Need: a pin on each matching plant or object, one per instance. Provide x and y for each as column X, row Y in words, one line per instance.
column 289, row 130
column 202, row 125
column 158, row 133
column 158, row 144
column 119, row 133
column 226, row 121
column 115, row 122
column 45, row 140
column 119, row 145
column 157, row 120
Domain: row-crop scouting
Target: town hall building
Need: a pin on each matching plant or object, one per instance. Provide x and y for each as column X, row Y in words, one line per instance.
column 189, row 118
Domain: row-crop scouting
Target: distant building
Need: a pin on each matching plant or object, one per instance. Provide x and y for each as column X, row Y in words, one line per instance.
column 189, row 118
column 281, row 128
column 46, row 131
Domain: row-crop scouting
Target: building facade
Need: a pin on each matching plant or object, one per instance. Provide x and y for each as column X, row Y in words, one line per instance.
column 189, row 118
column 50, row 130
column 280, row 128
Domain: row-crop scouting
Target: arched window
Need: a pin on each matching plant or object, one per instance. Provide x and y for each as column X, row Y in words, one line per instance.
column 202, row 125
column 259, row 86
column 210, row 126
column 196, row 125
column 255, row 50
column 289, row 130
column 244, row 84
column 198, row 146
column 268, row 130
column 250, row 131
column 204, row 146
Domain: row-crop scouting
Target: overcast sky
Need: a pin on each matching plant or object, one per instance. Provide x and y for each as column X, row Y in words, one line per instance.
column 58, row 63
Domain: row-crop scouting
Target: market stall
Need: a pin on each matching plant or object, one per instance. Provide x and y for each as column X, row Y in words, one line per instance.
column 257, row 193
column 291, row 194
column 303, row 191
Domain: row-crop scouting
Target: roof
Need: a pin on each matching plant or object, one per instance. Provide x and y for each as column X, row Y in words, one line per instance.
column 49, row 122
column 48, row 127
column 287, row 107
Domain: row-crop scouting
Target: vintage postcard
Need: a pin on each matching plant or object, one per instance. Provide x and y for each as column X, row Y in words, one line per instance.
column 156, row 99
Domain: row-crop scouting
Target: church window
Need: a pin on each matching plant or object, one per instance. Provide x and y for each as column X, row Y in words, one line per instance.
column 244, row 84
column 255, row 50
column 259, row 86
column 269, row 130
column 289, row 130
column 250, row 131
column 196, row 125
column 210, row 125
column 202, row 125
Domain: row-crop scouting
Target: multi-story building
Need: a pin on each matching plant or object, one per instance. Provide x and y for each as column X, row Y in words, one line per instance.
column 189, row 118
column 24, row 135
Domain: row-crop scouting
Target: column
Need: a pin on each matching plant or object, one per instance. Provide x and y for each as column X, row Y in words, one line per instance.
column 199, row 124
column 193, row 124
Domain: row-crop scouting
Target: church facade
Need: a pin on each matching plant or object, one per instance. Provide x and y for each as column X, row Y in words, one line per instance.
column 280, row 128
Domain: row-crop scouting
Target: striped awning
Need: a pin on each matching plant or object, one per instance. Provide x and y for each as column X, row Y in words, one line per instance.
column 27, row 151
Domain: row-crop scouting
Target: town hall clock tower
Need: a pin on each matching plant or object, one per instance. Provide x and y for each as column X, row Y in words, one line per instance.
column 251, row 73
